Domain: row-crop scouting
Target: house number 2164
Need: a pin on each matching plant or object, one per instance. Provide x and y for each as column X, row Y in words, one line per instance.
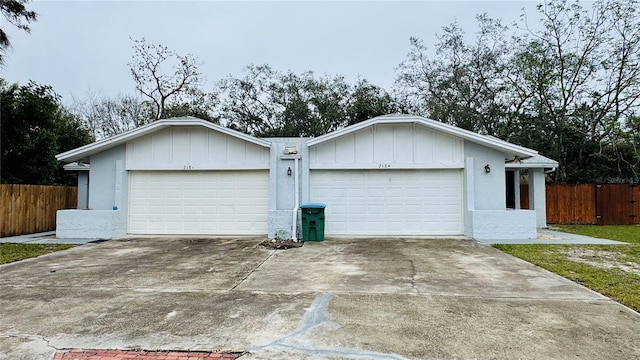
column 384, row 166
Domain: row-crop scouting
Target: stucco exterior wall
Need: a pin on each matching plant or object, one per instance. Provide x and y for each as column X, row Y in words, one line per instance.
column 106, row 217
column 486, row 216
column 537, row 196
column 89, row 224
column 516, row 186
column 282, row 186
column 488, row 188
column 103, row 177
column 468, row 196
column 503, row 224
column 83, row 190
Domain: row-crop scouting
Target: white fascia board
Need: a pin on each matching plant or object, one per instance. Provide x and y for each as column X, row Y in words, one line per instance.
column 506, row 143
column 98, row 146
column 530, row 166
column 488, row 141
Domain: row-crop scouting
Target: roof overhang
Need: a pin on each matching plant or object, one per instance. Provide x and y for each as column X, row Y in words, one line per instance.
column 91, row 149
column 77, row 166
column 537, row 161
column 488, row 141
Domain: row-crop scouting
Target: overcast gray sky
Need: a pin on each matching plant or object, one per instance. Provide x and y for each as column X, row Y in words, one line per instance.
column 81, row 46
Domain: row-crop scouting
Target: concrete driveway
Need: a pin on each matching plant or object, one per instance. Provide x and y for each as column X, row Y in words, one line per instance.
column 342, row 298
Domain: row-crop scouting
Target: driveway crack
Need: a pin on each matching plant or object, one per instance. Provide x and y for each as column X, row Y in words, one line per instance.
column 252, row 271
column 30, row 337
column 414, row 275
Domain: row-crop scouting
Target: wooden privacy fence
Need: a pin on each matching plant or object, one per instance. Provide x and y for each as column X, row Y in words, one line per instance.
column 571, row 203
column 602, row 204
column 617, row 204
column 26, row 209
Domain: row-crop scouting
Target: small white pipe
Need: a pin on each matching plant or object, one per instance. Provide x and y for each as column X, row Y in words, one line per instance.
column 296, row 201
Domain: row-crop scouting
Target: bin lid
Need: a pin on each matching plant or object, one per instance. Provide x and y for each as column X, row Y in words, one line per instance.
column 313, row 206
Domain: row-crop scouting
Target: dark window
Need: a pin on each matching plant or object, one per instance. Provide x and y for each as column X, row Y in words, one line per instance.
column 510, row 180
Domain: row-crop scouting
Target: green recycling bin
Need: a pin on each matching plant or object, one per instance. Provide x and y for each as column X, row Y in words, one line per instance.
column 313, row 221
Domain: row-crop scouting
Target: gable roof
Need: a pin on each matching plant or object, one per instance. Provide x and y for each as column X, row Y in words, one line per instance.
column 105, row 144
column 488, row 141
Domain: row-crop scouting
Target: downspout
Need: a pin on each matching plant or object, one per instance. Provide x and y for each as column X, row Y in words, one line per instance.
column 296, row 202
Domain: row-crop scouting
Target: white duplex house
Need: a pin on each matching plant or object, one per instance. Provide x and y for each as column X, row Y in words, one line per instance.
column 388, row 176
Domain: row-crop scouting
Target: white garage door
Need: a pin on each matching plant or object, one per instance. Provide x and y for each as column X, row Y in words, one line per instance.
column 390, row 202
column 199, row 202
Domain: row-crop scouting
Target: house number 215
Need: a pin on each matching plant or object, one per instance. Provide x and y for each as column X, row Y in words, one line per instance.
column 384, row 166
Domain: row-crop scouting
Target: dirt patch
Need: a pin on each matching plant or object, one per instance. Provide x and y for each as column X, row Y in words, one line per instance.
column 549, row 237
column 281, row 244
column 602, row 259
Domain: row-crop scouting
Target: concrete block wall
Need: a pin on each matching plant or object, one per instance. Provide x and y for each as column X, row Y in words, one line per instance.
column 90, row 224
column 503, row 224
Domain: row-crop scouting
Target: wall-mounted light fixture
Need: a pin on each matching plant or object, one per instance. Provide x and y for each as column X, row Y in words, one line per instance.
column 487, row 168
column 289, row 171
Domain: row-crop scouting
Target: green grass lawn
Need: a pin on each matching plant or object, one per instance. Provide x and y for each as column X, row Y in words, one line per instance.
column 10, row 252
column 626, row 233
column 612, row 270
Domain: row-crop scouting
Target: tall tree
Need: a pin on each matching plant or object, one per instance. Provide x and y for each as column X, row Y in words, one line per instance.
column 34, row 129
column 108, row 116
column 268, row 103
column 105, row 117
column 577, row 79
column 199, row 104
column 461, row 84
column 16, row 14
column 160, row 85
column 367, row 101
column 568, row 87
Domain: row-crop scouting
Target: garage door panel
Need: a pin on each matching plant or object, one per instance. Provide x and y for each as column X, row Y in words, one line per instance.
column 207, row 202
column 339, row 227
column 390, row 202
column 173, row 226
